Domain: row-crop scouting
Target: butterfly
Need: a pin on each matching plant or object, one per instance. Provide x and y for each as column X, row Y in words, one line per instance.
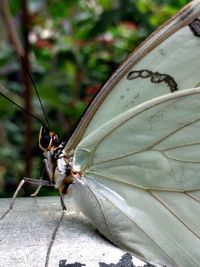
column 133, row 162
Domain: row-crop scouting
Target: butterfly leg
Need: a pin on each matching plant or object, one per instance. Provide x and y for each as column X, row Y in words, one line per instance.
column 49, row 167
column 34, row 194
column 25, row 180
column 55, row 230
column 49, row 170
column 62, row 202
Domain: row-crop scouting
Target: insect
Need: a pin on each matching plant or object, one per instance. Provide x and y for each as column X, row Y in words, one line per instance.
column 133, row 161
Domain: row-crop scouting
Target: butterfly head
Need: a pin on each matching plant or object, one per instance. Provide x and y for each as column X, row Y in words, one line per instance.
column 48, row 140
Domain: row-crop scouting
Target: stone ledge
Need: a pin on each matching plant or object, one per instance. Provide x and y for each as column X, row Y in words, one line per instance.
column 26, row 231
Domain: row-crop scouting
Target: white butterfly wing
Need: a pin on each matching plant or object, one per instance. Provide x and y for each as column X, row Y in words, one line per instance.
column 166, row 62
column 140, row 162
column 141, row 184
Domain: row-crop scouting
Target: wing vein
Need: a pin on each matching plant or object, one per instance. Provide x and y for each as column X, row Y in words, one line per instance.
column 180, row 160
column 192, row 196
column 171, row 211
column 180, row 146
column 150, row 147
column 101, row 208
column 132, row 221
column 120, row 179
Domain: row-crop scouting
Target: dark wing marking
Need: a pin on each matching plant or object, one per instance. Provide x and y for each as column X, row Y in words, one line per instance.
column 155, row 77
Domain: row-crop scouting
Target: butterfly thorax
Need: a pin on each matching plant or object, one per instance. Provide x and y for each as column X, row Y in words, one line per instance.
column 57, row 162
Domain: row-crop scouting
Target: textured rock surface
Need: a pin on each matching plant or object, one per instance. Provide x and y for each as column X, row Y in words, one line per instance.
column 26, row 231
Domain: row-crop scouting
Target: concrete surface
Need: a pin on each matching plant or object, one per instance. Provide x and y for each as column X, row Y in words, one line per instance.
column 26, row 231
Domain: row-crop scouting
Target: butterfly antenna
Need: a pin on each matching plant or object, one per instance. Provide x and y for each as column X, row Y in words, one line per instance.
column 36, row 91
column 26, row 111
column 53, row 238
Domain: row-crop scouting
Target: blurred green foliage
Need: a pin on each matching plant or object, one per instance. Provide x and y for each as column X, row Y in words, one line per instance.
column 75, row 46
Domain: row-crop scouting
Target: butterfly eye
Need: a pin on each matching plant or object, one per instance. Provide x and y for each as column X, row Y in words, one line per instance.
column 44, row 138
column 55, row 140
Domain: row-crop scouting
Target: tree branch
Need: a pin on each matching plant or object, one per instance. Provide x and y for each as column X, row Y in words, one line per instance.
column 12, row 33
